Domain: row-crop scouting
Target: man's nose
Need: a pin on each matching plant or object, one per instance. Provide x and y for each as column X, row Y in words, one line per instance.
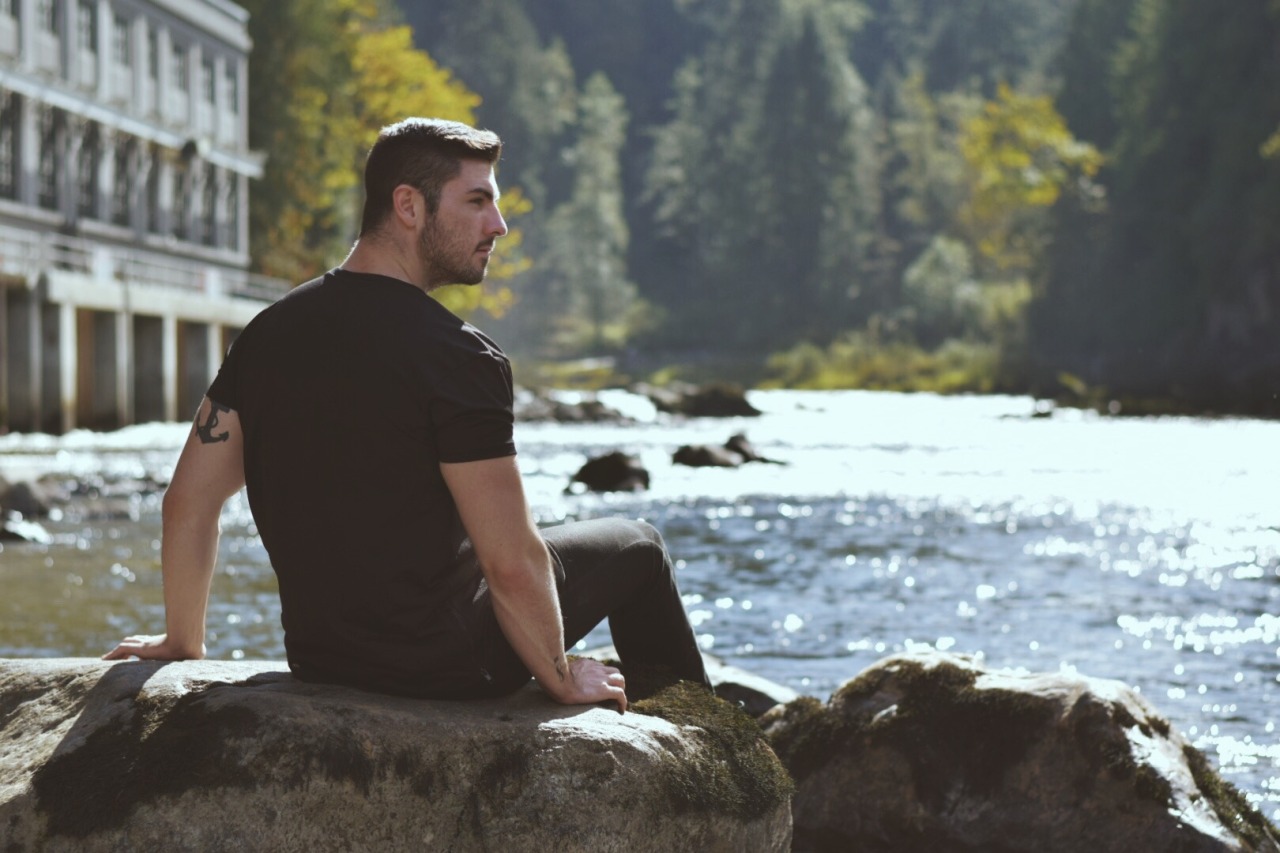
column 498, row 225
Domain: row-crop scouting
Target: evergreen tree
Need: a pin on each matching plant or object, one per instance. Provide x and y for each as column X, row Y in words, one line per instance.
column 764, row 182
column 577, row 297
column 1189, row 268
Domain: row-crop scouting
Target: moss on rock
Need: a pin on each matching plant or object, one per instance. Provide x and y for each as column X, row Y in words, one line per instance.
column 733, row 770
column 1230, row 805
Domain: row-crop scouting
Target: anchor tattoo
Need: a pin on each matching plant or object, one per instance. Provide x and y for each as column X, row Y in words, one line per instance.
column 205, row 431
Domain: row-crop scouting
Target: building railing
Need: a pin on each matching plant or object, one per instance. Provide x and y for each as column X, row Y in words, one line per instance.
column 27, row 254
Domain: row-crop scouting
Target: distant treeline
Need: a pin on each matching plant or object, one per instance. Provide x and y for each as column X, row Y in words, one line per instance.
column 1061, row 196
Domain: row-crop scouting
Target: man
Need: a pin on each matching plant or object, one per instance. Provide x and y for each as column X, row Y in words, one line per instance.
column 373, row 429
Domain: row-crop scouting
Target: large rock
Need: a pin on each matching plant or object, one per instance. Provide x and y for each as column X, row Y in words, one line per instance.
column 223, row 756
column 933, row 753
column 613, row 472
column 714, row 400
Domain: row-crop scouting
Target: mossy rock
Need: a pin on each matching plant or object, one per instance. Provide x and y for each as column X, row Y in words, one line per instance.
column 934, row 752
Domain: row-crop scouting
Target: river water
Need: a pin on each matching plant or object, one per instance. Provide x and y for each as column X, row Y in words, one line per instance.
column 1145, row 550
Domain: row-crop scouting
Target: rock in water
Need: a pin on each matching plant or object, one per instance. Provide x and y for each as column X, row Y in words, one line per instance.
column 222, row 756
column 613, row 472
column 931, row 752
column 706, row 456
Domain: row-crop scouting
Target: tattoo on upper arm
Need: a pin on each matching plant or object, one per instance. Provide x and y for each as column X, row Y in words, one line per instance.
column 205, row 430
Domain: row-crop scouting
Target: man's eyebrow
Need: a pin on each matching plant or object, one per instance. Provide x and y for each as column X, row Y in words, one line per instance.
column 486, row 192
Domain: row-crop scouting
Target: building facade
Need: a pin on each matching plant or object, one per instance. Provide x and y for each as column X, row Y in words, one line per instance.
column 124, row 179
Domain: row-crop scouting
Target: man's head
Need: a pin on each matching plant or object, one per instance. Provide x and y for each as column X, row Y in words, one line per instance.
column 431, row 201
column 424, row 153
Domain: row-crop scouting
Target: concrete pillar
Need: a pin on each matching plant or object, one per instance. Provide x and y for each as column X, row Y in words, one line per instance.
column 67, row 363
column 104, row 18
column 26, row 11
column 214, row 353
column 169, row 329
column 124, row 366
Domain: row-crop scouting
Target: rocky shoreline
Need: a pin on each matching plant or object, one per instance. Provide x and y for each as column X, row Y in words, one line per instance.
column 926, row 752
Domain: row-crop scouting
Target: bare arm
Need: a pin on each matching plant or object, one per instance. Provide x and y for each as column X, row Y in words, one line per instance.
column 491, row 502
column 210, row 470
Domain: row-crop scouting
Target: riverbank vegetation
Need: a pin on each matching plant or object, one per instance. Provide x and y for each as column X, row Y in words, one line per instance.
column 1078, row 199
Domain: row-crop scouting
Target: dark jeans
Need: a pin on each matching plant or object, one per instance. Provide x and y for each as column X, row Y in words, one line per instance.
column 613, row 569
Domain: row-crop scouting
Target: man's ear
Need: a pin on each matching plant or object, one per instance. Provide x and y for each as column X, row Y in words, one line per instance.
column 408, row 205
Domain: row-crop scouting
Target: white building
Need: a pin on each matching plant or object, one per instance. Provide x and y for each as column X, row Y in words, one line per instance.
column 124, row 177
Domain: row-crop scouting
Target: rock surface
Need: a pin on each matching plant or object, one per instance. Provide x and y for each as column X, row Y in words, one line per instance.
column 239, row 756
column 931, row 752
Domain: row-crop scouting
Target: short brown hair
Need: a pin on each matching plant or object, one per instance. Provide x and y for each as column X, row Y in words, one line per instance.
column 425, row 153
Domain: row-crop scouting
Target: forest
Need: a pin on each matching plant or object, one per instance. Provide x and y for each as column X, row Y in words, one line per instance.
column 1077, row 199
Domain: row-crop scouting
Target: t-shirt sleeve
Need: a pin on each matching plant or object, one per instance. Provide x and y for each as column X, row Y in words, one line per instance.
column 225, row 390
column 472, row 410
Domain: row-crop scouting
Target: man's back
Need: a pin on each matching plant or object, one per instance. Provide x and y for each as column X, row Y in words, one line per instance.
column 351, row 391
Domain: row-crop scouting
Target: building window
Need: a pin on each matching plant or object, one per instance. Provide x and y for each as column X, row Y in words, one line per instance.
column 153, row 53
column 9, row 137
column 233, row 88
column 208, row 80
column 86, row 27
column 50, row 159
column 120, row 41
column 180, row 70
column 121, row 183
column 87, row 173
column 47, row 15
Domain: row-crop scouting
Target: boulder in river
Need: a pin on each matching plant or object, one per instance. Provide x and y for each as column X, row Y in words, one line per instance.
column 706, row 456
column 734, row 452
column 613, row 472
column 714, row 400
column 239, row 756
column 932, row 752
column 27, row 499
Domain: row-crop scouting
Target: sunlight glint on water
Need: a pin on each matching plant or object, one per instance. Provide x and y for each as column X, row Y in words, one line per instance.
column 1146, row 550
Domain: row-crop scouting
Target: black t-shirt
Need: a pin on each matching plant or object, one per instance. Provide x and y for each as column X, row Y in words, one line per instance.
column 351, row 391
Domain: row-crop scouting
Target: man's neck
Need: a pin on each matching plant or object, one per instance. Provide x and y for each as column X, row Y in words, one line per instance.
column 383, row 257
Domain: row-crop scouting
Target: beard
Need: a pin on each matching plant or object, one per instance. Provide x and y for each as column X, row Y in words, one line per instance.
column 449, row 257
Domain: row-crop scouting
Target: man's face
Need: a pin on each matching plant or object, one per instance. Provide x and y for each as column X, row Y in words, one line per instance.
column 456, row 243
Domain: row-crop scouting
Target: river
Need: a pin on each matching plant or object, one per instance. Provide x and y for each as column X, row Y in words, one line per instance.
column 1141, row 549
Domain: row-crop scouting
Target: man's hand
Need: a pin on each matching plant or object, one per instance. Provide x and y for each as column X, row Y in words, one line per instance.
column 591, row 681
column 152, row 647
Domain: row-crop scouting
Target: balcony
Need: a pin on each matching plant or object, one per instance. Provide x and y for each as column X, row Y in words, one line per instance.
column 29, row 254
